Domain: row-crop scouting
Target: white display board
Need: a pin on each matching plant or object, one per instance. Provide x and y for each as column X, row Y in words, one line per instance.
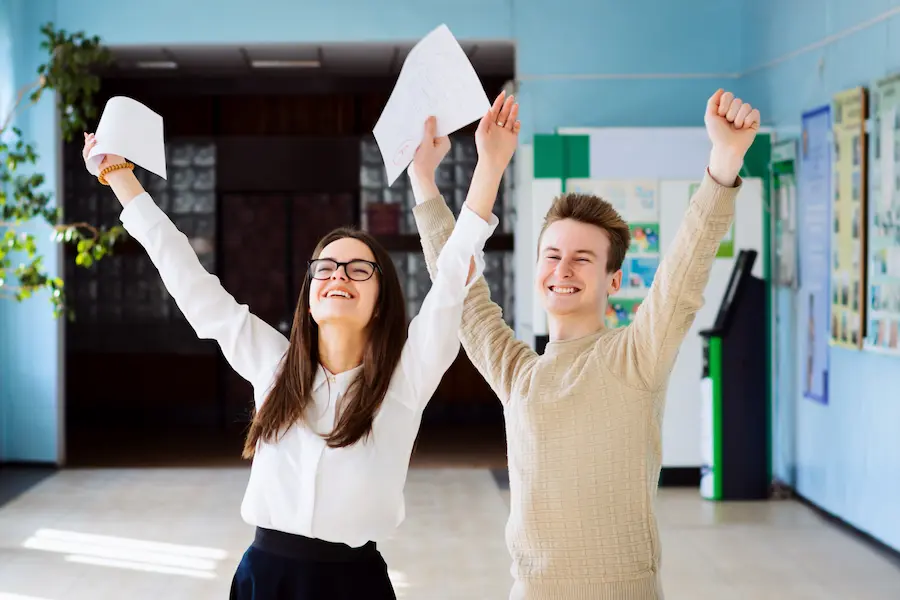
column 522, row 259
column 682, row 422
column 645, row 152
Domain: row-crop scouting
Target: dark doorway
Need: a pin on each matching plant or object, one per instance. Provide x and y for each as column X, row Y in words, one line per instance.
column 262, row 161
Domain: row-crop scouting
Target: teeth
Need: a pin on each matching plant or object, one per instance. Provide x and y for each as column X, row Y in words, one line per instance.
column 339, row 293
column 564, row 290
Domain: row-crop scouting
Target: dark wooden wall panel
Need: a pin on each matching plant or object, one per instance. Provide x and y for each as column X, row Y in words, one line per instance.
column 287, row 169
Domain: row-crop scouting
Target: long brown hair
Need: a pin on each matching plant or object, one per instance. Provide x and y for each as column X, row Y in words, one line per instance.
column 292, row 392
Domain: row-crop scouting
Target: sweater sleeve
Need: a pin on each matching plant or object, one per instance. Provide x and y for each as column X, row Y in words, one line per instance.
column 433, row 341
column 648, row 347
column 488, row 341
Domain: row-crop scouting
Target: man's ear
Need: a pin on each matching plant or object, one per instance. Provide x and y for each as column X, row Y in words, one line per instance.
column 615, row 284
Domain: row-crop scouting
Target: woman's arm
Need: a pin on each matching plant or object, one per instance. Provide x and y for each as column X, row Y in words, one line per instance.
column 252, row 347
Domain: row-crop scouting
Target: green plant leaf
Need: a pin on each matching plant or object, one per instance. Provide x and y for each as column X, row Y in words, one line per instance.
column 72, row 72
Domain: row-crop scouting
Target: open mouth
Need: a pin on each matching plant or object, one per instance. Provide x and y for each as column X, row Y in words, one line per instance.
column 339, row 294
column 564, row 290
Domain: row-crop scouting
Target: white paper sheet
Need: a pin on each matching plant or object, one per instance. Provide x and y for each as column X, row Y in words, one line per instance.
column 129, row 129
column 436, row 79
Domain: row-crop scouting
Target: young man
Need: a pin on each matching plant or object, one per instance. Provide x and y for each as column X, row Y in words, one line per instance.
column 584, row 419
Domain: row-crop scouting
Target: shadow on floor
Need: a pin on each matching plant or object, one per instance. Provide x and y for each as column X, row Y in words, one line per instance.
column 462, row 446
column 16, row 480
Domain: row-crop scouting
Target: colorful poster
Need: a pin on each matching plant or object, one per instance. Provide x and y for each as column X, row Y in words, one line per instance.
column 638, row 274
column 883, row 331
column 620, row 311
column 784, row 156
column 814, row 243
column 644, row 238
column 726, row 247
column 848, row 240
column 638, row 203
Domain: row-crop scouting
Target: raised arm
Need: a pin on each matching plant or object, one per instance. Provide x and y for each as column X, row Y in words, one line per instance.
column 487, row 339
column 433, row 341
column 676, row 295
column 251, row 346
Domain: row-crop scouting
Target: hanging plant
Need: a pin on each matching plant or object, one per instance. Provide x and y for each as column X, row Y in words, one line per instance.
column 70, row 71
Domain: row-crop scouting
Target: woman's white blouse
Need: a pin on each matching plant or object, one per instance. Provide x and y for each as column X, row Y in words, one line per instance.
column 299, row 485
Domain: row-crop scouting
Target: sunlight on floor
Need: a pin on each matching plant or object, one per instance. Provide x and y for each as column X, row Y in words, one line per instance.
column 125, row 553
column 399, row 581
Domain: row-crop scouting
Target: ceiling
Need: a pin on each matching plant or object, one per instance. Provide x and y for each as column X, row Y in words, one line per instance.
column 348, row 59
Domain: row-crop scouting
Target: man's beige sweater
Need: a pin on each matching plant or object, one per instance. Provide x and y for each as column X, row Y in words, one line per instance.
column 584, row 419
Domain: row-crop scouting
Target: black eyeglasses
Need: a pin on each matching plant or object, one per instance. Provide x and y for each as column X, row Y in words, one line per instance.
column 357, row 270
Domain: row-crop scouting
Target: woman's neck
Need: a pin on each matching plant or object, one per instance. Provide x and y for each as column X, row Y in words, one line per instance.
column 341, row 350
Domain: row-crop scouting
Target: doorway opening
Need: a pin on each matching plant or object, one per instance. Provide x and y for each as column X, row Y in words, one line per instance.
column 268, row 148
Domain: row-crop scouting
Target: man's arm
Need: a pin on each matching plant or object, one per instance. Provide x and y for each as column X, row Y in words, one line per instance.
column 667, row 313
column 664, row 318
column 487, row 339
column 433, row 342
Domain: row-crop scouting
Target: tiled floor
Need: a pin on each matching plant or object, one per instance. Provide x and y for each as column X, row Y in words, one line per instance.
column 176, row 534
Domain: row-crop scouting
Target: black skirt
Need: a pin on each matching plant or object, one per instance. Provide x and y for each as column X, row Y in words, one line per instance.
column 282, row 566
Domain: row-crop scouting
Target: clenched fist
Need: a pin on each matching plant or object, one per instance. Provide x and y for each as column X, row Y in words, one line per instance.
column 731, row 125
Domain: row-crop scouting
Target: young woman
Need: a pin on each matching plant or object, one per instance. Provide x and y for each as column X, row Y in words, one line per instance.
column 338, row 405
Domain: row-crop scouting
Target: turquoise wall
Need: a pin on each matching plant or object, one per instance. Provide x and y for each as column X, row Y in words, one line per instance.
column 581, row 62
column 844, row 457
column 30, row 338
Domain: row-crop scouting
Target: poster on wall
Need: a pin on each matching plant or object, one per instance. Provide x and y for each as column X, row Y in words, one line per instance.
column 883, row 331
column 638, row 203
column 726, row 247
column 814, row 243
column 848, row 239
column 784, row 211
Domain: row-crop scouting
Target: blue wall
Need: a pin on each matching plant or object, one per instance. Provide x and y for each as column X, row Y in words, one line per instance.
column 30, row 344
column 638, row 63
column 583, row 62
column 845, row 456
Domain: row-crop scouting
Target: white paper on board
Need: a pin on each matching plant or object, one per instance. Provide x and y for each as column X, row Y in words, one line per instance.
column 436, row 79
column 129, row 129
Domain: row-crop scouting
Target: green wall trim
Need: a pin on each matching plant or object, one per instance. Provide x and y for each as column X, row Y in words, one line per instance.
column 578, row 156
column 715, row 374
column 757, row 163
column 562, row 156
column 549, row 156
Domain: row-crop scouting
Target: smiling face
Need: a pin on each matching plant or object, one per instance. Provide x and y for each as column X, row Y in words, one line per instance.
column 337, row 296
column 571, row 275
column 581, row 249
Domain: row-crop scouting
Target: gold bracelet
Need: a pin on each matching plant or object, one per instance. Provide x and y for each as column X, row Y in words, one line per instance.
column 122, row 165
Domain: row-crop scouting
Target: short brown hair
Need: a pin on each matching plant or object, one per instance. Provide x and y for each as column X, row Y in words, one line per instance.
column 590, row 209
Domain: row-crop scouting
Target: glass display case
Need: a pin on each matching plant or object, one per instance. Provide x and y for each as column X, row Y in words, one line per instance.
column 124, row 289
column 387, row 212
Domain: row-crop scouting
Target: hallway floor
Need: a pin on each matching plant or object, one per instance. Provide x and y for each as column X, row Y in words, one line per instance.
column 176, row 533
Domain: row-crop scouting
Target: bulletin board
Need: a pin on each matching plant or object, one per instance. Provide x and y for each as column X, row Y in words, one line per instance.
column 883, row 330
column 848, row 239
column 784, row 209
